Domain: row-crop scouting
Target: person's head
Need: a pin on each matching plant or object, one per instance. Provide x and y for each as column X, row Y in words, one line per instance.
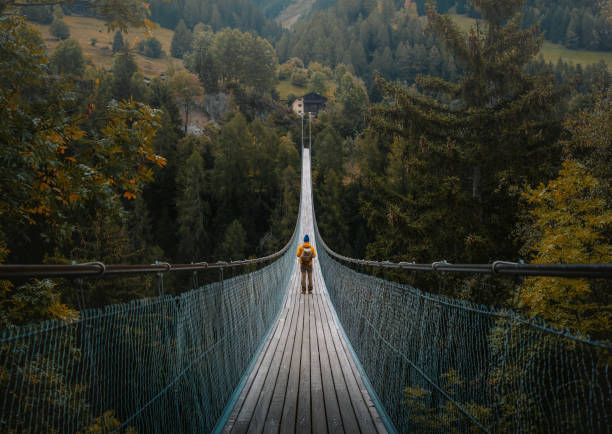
column 306, row 238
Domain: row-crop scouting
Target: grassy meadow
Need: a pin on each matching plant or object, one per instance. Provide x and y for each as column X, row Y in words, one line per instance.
column 552, row 52
column 84, row 29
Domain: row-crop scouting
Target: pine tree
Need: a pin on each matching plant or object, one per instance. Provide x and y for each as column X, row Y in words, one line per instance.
column 192, row 210
column 59, row 29
column 68, row 58
column 124, row 66
column 181, row 40
column 234, row 243
column 572, row 36
column 495, row 136
column 118, row 43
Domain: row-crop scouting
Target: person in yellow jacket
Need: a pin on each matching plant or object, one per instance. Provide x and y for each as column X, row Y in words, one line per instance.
column 306, row 253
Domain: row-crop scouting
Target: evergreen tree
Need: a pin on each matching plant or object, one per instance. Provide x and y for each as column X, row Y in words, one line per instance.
column 186, row 89
column 192, row 209
column 201, row 61
column 234, row 243
column 317, row 83
column 124, row 66
column 572, row 37
column 181, row 40
column 118, row 43
column 476, row 153
column 68, row 58
column 59, row 29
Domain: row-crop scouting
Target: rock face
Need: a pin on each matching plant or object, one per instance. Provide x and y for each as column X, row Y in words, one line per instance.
column 216, row 105
column 288, row 17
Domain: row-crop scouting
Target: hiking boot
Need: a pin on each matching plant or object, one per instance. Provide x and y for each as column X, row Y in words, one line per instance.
column 310, row 290
column 303, row 290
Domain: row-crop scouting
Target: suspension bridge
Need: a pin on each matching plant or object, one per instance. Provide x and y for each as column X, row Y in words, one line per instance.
column 252, row 354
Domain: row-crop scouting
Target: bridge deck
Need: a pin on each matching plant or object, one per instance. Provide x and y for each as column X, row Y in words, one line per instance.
column 305, row 379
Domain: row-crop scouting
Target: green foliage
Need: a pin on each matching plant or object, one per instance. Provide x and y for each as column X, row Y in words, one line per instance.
column 39, row 14
column 150, row 47
column 201, row 60
column 59, row 29
column 570, row 221
column 232, row 57
column 58, row 13
column 318, row 83
column 461, row 167
column 443, row 415
column 218, row 14
column 299, row 78
column 68, row 58
column 235, row 242
column 118, row 44
column 124, row 66
column 192, row 209
column 186, row 89
column 181, row 40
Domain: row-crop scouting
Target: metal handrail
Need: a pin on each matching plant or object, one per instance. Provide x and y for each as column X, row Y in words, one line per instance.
column 497, row 267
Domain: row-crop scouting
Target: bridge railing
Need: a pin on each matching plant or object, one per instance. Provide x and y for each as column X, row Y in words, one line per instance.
column 442, row 365
column 164, row 364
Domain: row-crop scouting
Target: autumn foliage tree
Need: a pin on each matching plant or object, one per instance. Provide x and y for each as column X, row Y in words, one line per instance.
column 570, row 221
column 54, row 169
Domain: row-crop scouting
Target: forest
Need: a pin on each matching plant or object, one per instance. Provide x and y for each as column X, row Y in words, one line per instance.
column 436, row 143
column 429, row 149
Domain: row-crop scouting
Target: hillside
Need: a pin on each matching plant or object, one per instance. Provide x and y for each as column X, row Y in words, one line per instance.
column 84, row 29
column 292, row 13
column 550, row 51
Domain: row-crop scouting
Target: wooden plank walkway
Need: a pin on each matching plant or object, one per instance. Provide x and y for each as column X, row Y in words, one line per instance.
column 305, row 379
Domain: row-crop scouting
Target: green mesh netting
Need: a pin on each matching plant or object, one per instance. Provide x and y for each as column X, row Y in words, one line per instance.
column 441, row 365
column 167, row 364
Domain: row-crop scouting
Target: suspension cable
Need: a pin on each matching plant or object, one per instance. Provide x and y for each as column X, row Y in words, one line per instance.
column 497, row 267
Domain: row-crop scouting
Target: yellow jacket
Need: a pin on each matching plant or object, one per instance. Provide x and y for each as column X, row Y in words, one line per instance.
column 301, row 249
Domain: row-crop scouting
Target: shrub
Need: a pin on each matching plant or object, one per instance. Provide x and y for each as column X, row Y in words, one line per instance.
column 38, row 14
column 151, row 47
column 59, row 29
column 68, row 58
column 299, row 78
column 118, row 43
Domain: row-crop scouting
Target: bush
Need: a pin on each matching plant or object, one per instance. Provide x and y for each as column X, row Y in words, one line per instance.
column 59, row 29
column 299, row 78
column 285, row 71
column 58, row 12
column 118, row 43
column 151, row 47
column 38, row 14
column 68, row 58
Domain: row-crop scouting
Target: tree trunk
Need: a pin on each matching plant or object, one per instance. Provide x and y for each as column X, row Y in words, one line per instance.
column 186, row 117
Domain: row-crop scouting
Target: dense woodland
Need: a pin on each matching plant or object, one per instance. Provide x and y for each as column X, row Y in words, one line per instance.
column 435, row 145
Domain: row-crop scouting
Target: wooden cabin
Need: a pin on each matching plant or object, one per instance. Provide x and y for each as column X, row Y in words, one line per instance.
column 309, row 103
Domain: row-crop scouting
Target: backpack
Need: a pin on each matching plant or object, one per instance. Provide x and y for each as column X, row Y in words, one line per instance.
column 306, row 254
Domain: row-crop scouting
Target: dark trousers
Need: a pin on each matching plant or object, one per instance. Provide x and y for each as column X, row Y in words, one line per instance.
column 306, row 269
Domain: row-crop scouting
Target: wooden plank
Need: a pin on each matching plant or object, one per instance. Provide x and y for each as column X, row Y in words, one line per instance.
column 335, row 419
column 319, row 421
column 378, row 422
column 244, row 416
column 275, row 410
column 264, row 400
column 254, row 372
column 293, row 383
column 303, row 419
column 359, row 406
